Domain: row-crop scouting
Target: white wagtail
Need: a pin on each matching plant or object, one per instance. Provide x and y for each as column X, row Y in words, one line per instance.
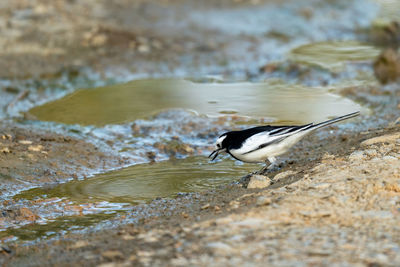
column 258, row 144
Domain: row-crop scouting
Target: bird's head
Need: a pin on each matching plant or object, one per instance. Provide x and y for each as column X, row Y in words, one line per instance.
column 221, row 145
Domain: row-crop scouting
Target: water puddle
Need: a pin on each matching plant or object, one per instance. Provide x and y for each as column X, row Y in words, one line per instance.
column 144, row 182
column 274, row 100
column 389, row 11
column 78, row 204
column 333, row 56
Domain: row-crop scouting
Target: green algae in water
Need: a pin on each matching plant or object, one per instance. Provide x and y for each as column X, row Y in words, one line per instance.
column 144, row 182
column 333, row 55
column 121, row 103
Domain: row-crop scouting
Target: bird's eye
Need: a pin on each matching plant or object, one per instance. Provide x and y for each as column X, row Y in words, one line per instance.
column 218, row 145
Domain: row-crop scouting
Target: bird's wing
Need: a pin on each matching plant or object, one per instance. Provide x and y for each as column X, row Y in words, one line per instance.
column 269, row 137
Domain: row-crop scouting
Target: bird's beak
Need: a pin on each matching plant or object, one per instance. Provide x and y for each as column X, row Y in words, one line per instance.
column 215, row 153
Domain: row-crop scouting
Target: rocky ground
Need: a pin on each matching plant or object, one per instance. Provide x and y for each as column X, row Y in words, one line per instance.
column 342, row 210
column 335, row 203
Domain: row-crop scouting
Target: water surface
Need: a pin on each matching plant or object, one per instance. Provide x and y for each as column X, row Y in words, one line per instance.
column 273, row 100
column 144, row 182
column 333, row 56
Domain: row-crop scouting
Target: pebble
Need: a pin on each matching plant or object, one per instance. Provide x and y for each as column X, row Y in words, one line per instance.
column 112, row 254
column 283, row 175
column 371, row 152
column 357, row 155
column 258, row 181
column 5, row 150
column 6, row 137
column 220, row 248
column 80, row 244
column 25, row 142
column 263, row 201
column 35, row 148
column 234, row 204
column 143, row 49
column 320, row 186
column 128, row 237
column 206, row 206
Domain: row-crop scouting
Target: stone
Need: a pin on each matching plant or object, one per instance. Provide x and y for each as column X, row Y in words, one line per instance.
column 263, row 201
column 234, row 204
column 283, row 175
column 387, row 66
column 5, row 150
column 357, row 155
column 206, row 206
column 112, row 254
column 220, row 248
column 25, row 142
column 35, row 148
column 258, row 181
column 388, row 138
column 80, row 244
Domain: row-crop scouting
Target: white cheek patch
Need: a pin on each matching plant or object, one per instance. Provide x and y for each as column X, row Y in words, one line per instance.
column 219, row 141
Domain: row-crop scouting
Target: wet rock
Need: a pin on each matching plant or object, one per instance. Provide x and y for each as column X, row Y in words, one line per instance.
column 387, row 66
column 258, row 181
column 389, row 138
column 151, row 155
column 27, row 214
column 387, row 35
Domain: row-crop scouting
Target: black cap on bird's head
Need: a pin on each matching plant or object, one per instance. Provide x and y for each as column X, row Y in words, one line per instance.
column 220, row 146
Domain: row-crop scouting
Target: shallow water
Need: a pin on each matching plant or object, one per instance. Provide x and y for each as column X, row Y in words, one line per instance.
column 273, row 100
column 144, row 182
column 333, row 56
column 78, row 204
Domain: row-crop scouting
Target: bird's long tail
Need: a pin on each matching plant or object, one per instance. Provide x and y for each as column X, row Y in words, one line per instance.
column 341, row 118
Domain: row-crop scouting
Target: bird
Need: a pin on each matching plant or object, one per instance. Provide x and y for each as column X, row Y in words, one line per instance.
column 262, row 143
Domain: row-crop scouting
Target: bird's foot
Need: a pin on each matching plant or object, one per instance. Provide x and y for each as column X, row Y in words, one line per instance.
column 264, row 169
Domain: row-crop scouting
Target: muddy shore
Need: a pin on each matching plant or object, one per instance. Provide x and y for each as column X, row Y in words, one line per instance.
column 334, row 199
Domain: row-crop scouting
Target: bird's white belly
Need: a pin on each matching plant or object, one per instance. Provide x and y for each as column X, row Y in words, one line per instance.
column 259, row 155
column 272, row 150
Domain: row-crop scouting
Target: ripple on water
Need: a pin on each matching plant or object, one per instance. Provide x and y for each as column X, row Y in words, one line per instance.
column 144, row 182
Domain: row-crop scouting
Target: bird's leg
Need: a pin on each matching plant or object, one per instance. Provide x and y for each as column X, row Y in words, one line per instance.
column 267, row 166
column 272, row 160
